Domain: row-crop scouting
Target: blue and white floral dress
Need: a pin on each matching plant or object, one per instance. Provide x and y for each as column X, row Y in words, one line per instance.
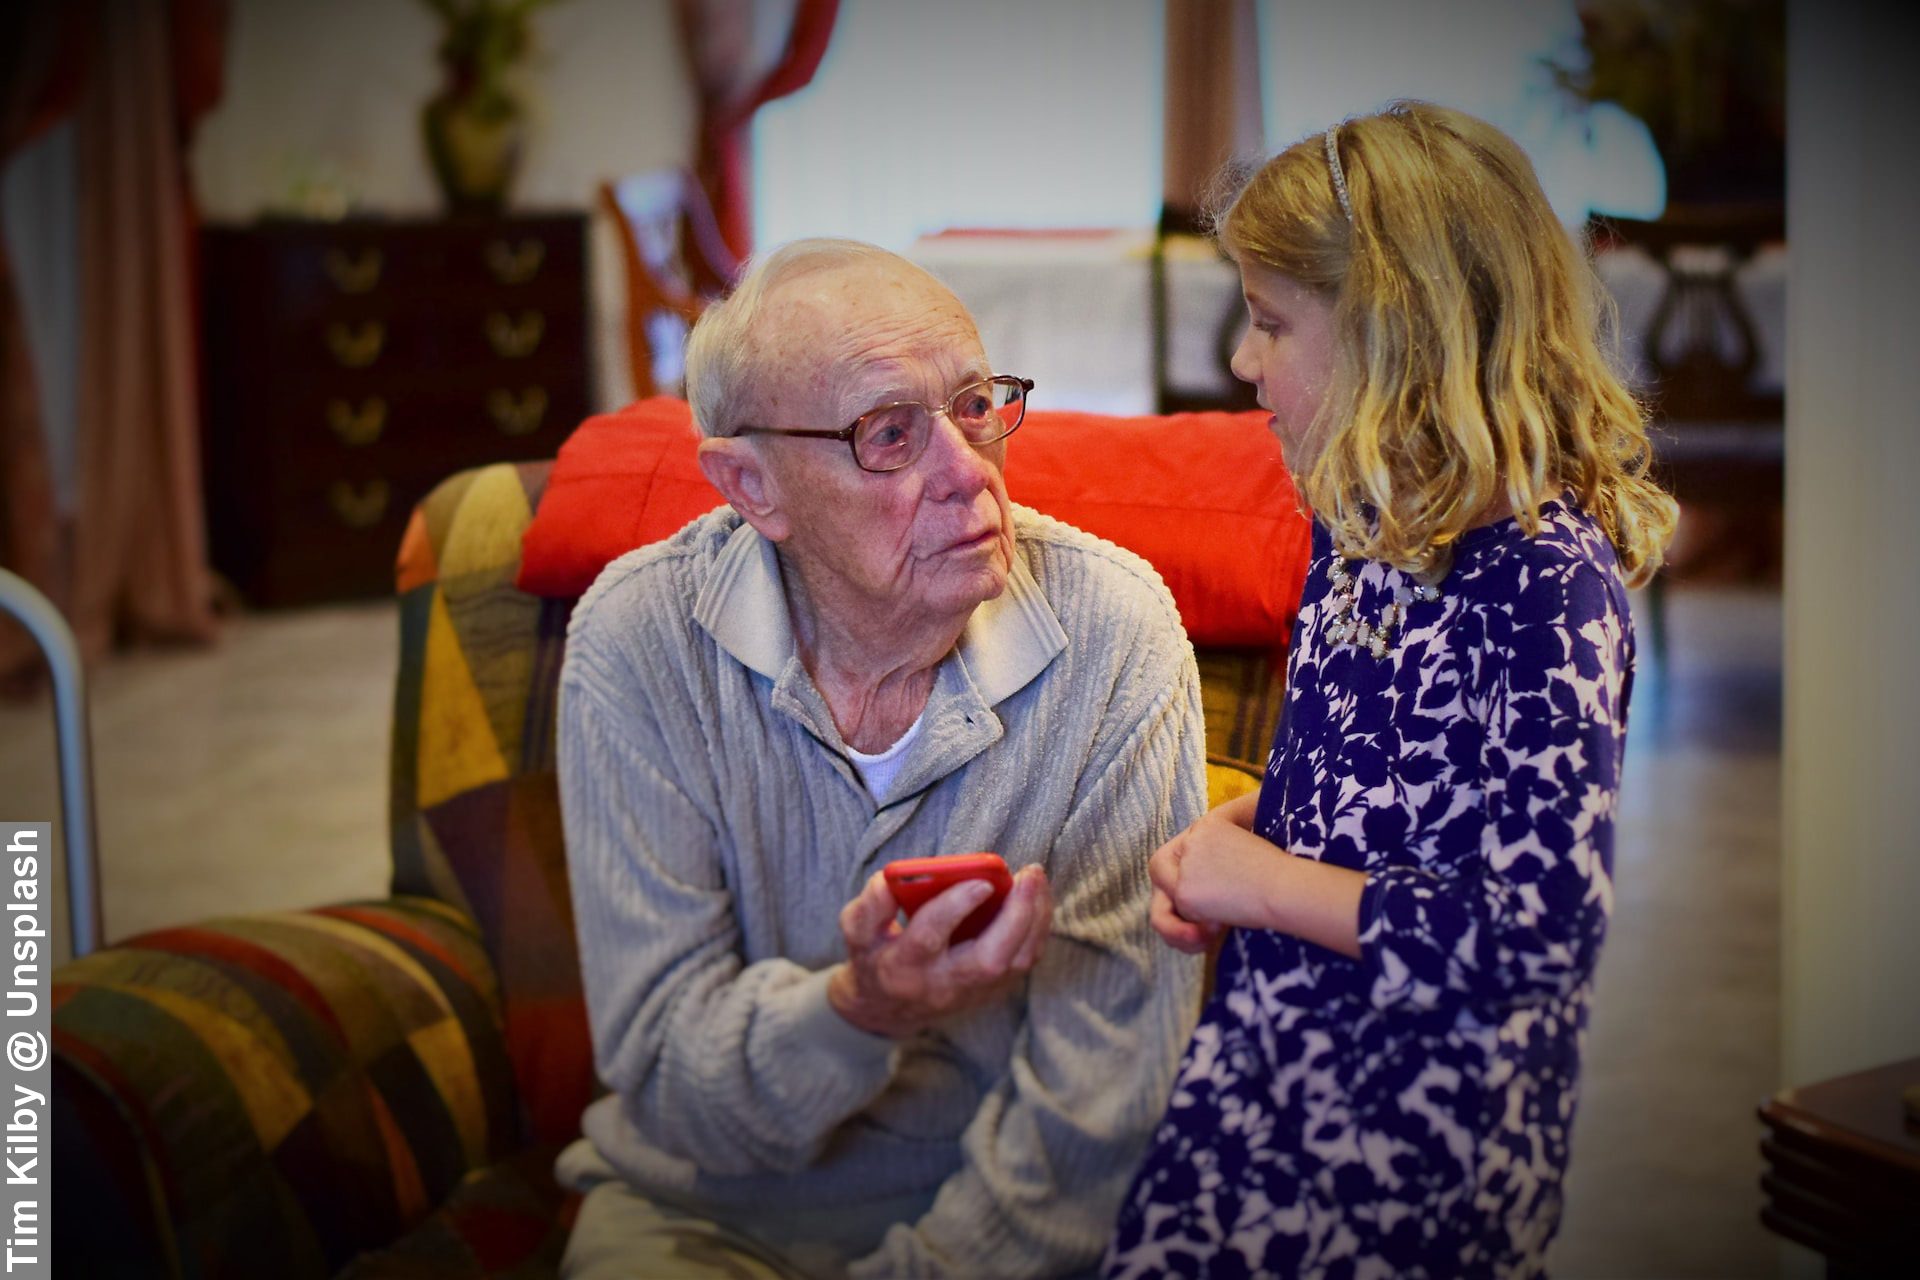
column 1408, row 1113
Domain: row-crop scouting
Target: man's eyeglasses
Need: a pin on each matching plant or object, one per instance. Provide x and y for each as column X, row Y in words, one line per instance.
column 894, row 435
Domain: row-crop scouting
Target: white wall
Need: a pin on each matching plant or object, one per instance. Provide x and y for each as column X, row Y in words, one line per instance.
column 1851, row 821
column 927, row 114
column 327, row 96
column 335, row 90
column 1322, row 62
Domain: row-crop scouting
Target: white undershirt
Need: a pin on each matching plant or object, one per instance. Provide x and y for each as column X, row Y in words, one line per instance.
column 879, row 771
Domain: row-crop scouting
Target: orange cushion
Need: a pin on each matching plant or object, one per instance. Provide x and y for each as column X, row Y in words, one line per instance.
column 1204, row 497
column 621, row 480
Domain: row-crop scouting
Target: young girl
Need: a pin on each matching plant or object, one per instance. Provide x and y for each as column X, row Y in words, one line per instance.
column 1383, row 1082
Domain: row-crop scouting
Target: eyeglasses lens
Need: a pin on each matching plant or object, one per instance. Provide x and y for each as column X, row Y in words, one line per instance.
column 892, row 437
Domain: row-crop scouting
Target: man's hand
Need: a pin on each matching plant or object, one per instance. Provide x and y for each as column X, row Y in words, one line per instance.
column 897, row 981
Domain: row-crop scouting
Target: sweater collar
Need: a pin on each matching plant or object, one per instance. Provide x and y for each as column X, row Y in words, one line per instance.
column 1007, row 642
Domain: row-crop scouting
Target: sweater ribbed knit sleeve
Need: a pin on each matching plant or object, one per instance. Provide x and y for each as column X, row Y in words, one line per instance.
column 1047, row 1157
column 739, row 1067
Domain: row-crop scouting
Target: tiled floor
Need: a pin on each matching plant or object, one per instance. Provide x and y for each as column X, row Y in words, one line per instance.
column 1685, row 1036
column 253, row 777
column 247, row 777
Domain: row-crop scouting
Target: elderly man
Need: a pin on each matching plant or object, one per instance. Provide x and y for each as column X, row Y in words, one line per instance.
column 870, row 655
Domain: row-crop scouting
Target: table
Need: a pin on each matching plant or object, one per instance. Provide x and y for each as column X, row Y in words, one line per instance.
column 1072, row 310
column 1843, row 1171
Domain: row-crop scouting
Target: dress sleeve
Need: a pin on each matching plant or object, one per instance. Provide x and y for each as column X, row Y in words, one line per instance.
column 1518, row 919
column 742, row 1067
column 1047, row 1157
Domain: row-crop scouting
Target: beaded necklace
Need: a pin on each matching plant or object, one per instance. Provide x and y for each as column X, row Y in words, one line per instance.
column 1346, row 626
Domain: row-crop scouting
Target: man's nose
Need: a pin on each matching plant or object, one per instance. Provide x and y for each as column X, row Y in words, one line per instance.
column 955, row 465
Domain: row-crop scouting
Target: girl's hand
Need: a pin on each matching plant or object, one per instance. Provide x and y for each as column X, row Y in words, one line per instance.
column 1239, row 810
column 1218, row 874
column 1176, row 932
column 1211, row 876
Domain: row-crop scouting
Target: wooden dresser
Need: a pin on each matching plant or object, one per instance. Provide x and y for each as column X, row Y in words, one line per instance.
column 350, row 366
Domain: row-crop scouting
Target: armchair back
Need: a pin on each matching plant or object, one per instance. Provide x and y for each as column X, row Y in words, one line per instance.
column 475, row 804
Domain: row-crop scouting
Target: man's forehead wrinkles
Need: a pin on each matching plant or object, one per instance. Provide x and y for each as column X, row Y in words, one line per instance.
column 902, row 350
column 840, row 343
column 929, row 378
column 882, row 381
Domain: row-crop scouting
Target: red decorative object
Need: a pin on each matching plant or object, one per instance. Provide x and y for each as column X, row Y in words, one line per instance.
column 718, row 39
column 1204, row 497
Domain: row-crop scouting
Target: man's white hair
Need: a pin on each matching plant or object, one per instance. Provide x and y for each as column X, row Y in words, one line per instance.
column 721, row 368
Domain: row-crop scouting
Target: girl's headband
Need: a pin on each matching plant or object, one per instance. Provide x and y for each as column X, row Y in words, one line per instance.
column 1339, row 175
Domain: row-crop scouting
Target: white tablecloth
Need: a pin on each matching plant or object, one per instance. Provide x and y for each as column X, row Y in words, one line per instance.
column 1070, row 312
column 1073, row 311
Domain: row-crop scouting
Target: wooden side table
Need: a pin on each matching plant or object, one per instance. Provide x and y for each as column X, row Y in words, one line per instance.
column 1843, row 1171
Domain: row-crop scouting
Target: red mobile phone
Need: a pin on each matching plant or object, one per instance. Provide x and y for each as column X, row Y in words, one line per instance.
column 914, row 882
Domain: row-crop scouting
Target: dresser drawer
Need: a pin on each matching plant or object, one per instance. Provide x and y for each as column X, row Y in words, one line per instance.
column 428, row 346
column 334, row 539
column 352, row 366
column 310, row 268
column 490, row 419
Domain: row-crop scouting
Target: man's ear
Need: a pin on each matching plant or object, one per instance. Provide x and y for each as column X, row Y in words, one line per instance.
column 737, row 470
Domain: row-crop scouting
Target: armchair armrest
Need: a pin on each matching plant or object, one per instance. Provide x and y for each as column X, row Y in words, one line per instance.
column 1229, row 780
column 270, row 1095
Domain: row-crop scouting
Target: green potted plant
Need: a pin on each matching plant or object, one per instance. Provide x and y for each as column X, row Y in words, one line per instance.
column 475, row 125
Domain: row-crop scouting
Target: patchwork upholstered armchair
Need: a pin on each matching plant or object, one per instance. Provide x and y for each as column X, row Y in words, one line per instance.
column 379, row 1089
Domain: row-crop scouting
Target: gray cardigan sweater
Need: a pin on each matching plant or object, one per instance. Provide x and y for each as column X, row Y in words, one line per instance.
column 715, row 827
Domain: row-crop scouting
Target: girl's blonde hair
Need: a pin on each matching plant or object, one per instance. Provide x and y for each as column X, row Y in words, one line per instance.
column 1469, row 352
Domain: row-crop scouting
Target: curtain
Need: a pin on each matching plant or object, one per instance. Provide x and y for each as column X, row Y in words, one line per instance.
column 1213, row 105
column 140, row 567
column 40, row 77
column 134, row 75
column 737, row 68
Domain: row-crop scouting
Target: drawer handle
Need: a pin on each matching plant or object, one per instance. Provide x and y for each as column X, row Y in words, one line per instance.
column 515, row 264
column 519, row 415
column 356, row 346
column 357, row 426
column 354, row 273
column 359, row 508
column 514, row 339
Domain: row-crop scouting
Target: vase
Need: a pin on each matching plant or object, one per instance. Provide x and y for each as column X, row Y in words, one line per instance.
column 474, row 147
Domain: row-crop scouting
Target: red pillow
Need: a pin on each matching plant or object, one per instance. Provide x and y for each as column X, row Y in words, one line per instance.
column 1203, row 497
column 622, row 480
